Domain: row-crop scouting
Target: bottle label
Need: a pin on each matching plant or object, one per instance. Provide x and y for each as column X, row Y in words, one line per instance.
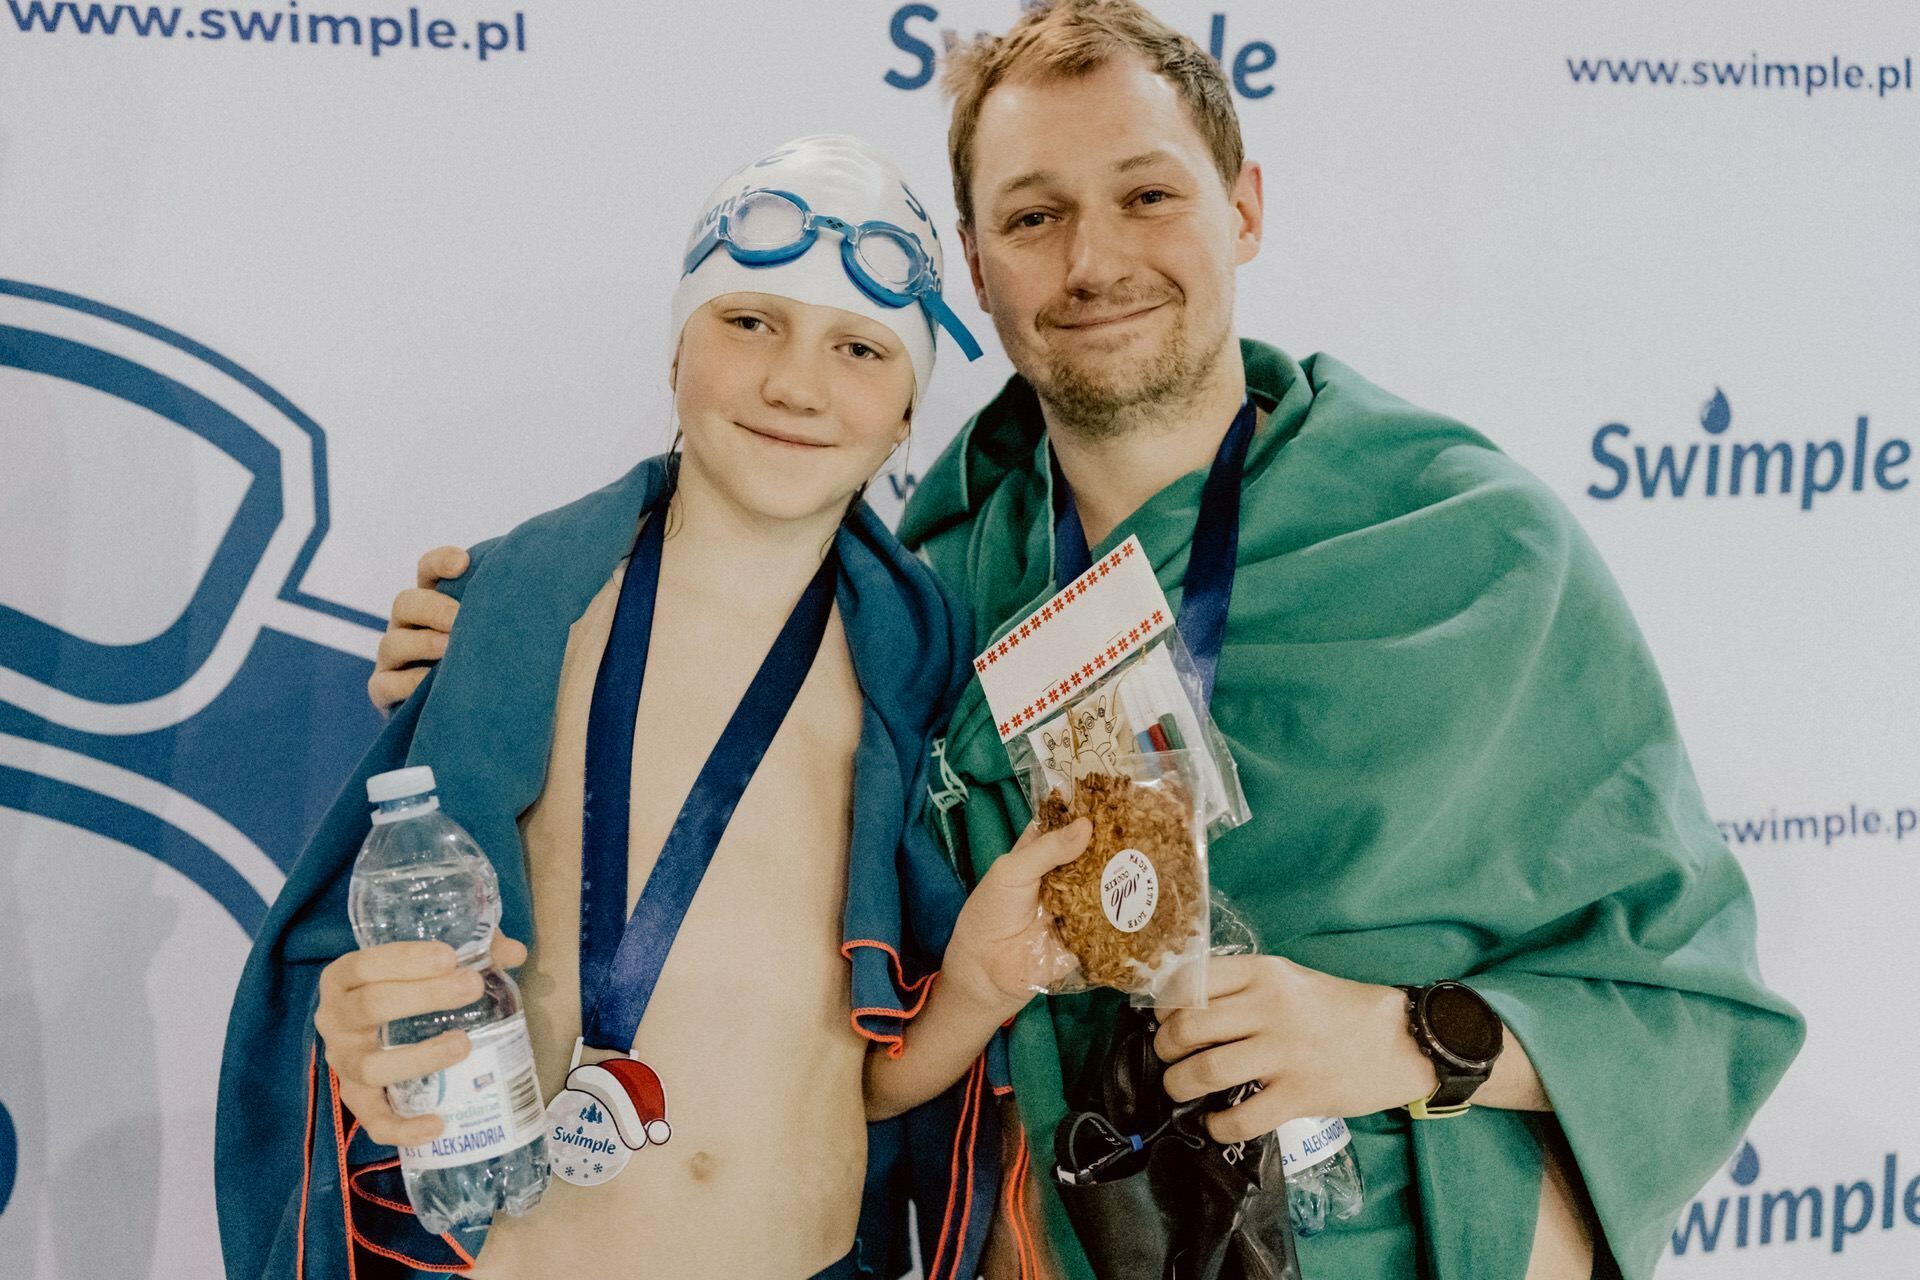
column 1310, row 1141
column 488, row 1103
column 1129, row 890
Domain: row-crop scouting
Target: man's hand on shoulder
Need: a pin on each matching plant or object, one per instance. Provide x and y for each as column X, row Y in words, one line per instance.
column 417, row 630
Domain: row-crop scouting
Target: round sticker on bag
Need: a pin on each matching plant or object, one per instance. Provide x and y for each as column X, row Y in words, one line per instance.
column 1129, row 891
column 584, row 1144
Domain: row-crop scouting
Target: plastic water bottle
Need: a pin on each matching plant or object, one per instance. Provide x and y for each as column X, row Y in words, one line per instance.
column 1323, row 1178
column 419, row 876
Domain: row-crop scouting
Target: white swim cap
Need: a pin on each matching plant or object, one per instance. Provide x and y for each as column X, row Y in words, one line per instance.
column 836, row 176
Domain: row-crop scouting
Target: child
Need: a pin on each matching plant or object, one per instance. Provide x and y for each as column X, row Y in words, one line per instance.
column 805, row 326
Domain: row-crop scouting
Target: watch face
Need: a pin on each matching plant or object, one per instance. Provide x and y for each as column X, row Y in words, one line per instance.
column 1462, row 1023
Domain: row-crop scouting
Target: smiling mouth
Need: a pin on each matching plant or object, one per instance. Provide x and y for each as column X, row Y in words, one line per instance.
column 1104, row 322
column 776, row 437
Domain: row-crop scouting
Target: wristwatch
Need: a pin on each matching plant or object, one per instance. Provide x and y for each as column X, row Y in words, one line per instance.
column 1461, row 1035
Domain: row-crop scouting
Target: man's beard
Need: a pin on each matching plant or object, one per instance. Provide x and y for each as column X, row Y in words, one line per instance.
column 1105, row 396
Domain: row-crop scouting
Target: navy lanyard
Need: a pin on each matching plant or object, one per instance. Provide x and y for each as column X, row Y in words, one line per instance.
column 620, row 968
column 1210, row 561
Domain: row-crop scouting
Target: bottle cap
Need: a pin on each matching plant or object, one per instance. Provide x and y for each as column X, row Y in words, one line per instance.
column 398, row 784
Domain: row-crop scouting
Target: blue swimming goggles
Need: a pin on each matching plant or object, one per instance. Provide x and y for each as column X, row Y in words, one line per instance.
column 762, row 227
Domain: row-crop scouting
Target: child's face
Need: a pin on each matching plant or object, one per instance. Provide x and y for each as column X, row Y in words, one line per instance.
column 787, row 406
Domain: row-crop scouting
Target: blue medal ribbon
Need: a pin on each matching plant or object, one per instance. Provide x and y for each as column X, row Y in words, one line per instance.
column 1208, row 589
column 620, row 967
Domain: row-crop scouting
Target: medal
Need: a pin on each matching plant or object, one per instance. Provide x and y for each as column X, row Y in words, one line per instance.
column 607, row 1111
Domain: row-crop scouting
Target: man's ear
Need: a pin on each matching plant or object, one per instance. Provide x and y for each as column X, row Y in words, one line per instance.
column 971, row 247
column 1249, row 212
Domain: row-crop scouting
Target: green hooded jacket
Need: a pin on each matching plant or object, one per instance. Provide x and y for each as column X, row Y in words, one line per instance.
column 1461, row 764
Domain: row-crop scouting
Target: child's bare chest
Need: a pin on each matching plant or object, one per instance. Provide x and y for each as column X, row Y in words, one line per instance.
column 748, row 1027
column 796, row 808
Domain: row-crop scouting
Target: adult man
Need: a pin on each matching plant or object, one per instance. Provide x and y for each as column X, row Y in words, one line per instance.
column 1459, row 757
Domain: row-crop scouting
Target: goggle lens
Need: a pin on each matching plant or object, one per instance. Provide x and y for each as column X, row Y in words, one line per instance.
column 764, row 221
column 887, row 259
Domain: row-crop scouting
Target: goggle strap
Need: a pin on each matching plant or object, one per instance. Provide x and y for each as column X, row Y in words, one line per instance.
column 698, row 254
column 937, row 308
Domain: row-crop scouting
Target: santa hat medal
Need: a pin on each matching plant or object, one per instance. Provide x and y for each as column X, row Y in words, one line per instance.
column 607, row 1111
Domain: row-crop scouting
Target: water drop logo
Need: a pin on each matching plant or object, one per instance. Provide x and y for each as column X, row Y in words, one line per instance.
column 1746, row 1166
column 1719, row 468
column 1716, row 415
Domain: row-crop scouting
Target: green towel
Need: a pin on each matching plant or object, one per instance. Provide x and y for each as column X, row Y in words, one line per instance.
column 1461, row 763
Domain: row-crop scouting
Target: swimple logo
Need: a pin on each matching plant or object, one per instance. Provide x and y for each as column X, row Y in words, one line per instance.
column 1748, row 1218
column 1722, row 468
column 916, row 30
column 108, row 695
column 284, row 27
column 161, row 753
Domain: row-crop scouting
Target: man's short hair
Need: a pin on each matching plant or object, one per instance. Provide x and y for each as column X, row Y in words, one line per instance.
column 1070, row 38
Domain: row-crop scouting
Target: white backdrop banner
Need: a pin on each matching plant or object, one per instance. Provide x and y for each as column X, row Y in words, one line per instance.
column 291, row 292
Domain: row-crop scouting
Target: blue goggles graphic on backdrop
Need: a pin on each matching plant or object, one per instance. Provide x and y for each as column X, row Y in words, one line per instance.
column 763, row 227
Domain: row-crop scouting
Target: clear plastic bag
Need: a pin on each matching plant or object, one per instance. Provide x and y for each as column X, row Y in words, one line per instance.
column 1141, row 700
column 1134, row 908
column 1097, row 676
